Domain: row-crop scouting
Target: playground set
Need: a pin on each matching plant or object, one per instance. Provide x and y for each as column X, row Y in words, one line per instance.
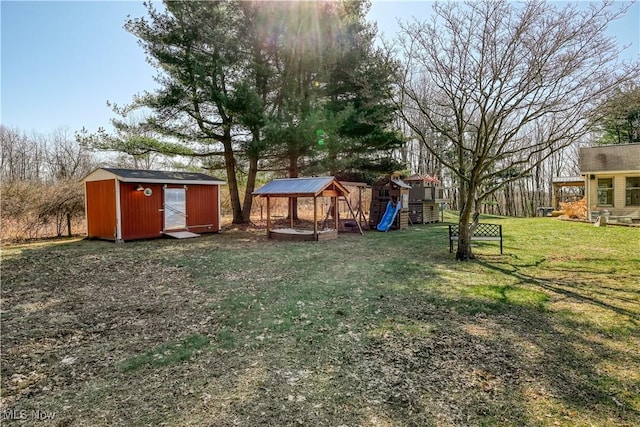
column 394, row 205
column 317, row 188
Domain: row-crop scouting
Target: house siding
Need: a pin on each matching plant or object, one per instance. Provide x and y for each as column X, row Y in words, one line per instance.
column 619, row 207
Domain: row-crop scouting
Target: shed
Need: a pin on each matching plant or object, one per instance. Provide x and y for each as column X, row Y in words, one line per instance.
column 313, row 187
column 130, row 204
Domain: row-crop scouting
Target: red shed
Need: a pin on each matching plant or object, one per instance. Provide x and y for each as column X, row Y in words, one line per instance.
column 129, row 204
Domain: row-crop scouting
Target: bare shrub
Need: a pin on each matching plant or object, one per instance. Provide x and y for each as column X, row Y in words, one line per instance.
column 34, row 210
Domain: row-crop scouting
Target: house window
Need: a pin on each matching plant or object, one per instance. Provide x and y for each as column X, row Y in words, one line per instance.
column 605, row 191
column 633, row 191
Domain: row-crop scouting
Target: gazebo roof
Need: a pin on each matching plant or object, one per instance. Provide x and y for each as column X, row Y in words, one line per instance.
column 300, row 187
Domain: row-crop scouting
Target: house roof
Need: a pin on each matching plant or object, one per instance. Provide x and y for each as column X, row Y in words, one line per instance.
column 300, row 187
column 152, row 176
column 610, row 158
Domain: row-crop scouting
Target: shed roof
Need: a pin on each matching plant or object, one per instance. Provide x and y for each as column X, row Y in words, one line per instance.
column 153, row 176
column 300, row 187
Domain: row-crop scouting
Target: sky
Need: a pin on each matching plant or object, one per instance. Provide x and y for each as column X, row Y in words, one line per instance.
column 62, row 61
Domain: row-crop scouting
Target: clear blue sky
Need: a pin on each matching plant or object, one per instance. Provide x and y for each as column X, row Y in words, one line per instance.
column 61, row 61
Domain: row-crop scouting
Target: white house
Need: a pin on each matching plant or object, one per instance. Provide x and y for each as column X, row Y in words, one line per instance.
column 612, row 180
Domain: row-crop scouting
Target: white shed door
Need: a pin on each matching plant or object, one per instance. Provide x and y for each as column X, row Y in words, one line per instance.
column 175, row 208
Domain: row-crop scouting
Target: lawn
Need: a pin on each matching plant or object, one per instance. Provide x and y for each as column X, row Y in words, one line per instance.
column 385, row 329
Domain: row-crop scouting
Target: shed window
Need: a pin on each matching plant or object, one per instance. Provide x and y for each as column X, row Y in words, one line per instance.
column 633, row 191
column 605, row 191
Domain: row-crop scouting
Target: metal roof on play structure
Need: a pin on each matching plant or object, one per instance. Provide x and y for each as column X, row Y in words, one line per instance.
column 303, row 187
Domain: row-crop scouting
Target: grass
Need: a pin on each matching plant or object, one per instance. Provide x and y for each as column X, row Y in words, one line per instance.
column 167, row 354
column 385, row 329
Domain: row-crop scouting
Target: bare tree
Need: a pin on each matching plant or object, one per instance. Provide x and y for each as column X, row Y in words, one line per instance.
column 40, row 182
column 22, row 156
column 65, row 158
column 506, row 85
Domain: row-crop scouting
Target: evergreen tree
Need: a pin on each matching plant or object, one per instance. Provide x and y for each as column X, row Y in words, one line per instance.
column 620, row 118
column 290, row 86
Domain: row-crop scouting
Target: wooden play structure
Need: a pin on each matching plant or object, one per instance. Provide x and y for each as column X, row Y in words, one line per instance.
column 315, row 188
column 425, row 196
column 385, row 190
column 361, row 223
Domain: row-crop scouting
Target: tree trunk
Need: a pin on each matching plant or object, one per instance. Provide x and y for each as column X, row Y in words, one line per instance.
column 464, row 233
column 232, row 181
column 251, row 185
column 293, row 173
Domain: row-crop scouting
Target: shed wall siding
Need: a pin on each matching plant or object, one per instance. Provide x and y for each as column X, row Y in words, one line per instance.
column 202, row 208
column 101, row 209
column 141, row 215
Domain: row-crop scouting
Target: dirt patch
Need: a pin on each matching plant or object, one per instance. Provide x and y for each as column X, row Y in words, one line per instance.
column 70, row 322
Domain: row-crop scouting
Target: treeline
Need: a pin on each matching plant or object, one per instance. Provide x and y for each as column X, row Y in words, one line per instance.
column 41, row 192
column 521, row 197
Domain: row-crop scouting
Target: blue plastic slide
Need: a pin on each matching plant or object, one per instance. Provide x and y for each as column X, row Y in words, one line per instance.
column 389, row 215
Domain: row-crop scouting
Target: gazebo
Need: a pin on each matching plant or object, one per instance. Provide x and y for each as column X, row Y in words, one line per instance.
column 313, row 187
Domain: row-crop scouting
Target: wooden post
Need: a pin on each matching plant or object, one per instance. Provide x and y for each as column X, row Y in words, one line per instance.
column 268, row 215
column 315, row 218
column 357, row 220
column 291, row 205
column 335, row 204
